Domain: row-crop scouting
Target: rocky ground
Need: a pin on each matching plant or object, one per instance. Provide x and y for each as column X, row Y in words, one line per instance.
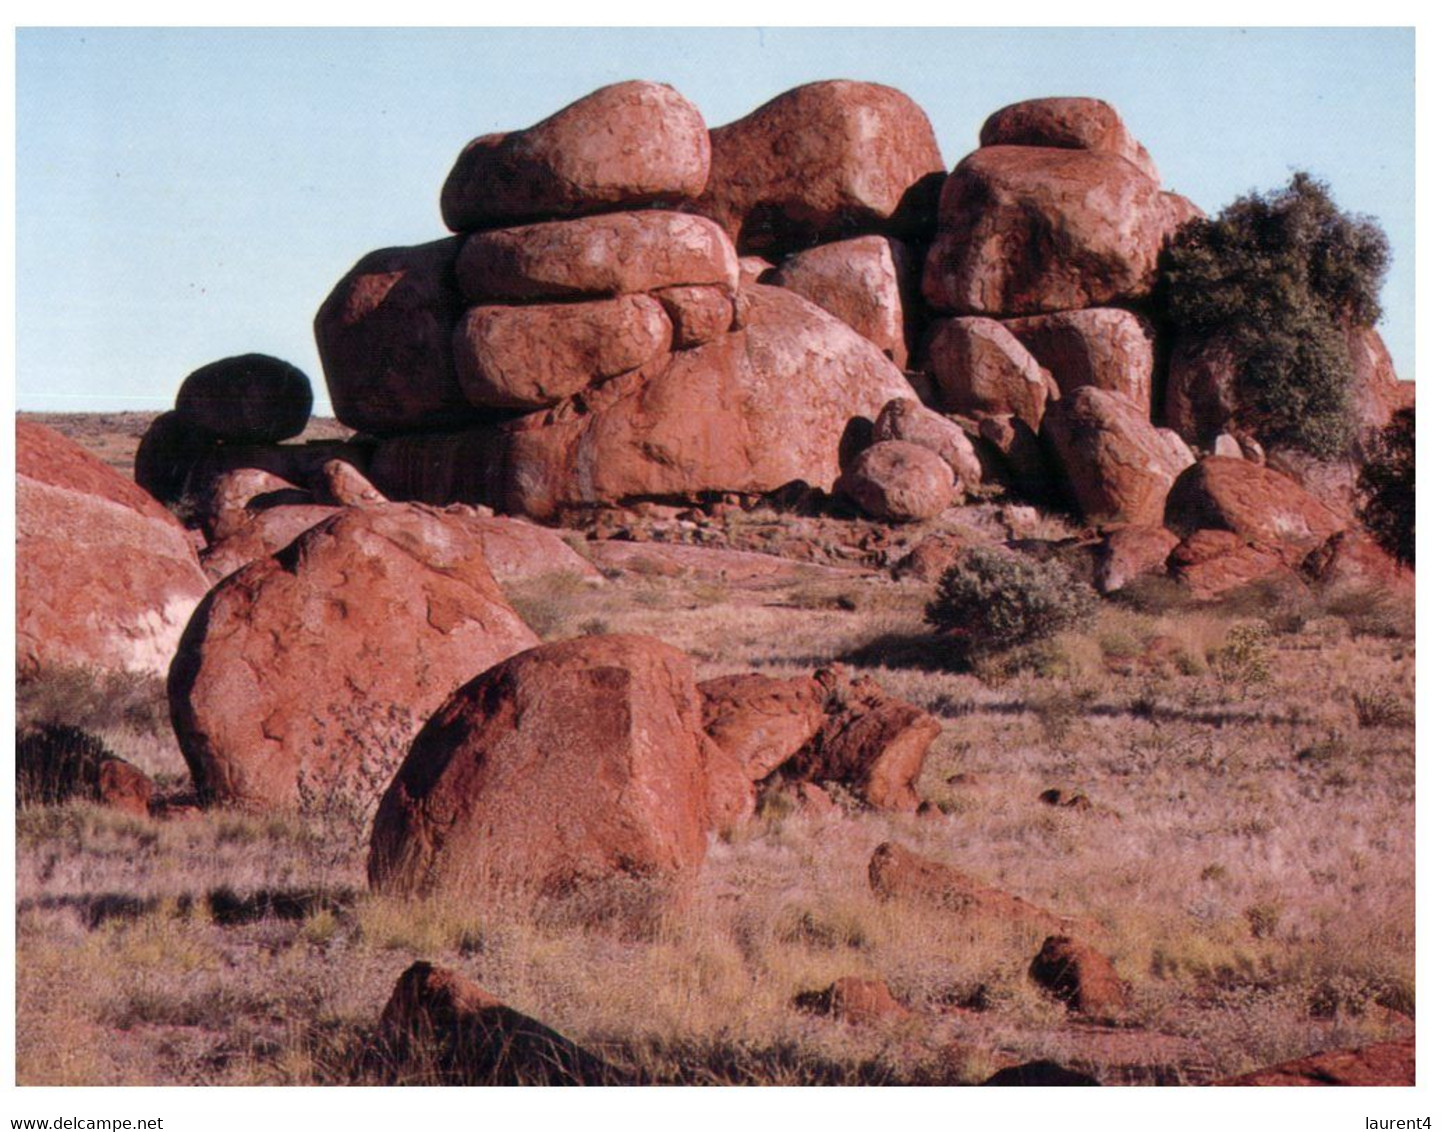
column 1218, row 798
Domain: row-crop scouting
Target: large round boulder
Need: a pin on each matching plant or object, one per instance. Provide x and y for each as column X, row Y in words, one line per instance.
column 867, row 283
column 571, row 765
column 384, row 336
column 1104, row 346
column 105, row 577
column 303, row 677
column 595, row 256
column 625, row 145
column 1025, row 230
column 1067, row 123
column 1119, row 467
column 1257, row 504
column 250, row 398
column 825, row 161
column 981, row 369
column 900, row 482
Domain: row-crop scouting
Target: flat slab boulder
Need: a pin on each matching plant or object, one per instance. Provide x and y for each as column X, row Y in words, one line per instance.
column 823, row 162
column 1382, row 1064
column 303, row 677
column 625, row 145
column 384, row 335
column 1067, row 123
column 105, row 577
column 566, row 769
column 1255, row 503
column 250, row 398
column 531, row 357
column 982, row 369
column 594, row 257
column 1119, row 467
column 1026, row 230
column 866, row 282
column 900, row 482
column 446, row 1028
column 1109, row 348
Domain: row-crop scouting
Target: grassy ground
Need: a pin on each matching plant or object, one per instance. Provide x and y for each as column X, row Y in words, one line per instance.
column 1247, row 858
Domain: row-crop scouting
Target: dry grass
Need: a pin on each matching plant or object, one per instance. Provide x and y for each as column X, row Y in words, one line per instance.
column 1248, row 856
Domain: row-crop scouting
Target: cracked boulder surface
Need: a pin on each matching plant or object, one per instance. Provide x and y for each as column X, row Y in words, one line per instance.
column 302, row 678
column 564, row 772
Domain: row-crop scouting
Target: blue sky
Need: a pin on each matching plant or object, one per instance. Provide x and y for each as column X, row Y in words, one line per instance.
column 184, row 195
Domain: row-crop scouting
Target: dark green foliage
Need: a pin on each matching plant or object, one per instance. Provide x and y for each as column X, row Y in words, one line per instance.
column 1389, row 483
column 1280, row 277
column 992, row 600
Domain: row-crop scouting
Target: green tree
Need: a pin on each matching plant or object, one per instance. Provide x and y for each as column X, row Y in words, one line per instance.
column 1281, row 277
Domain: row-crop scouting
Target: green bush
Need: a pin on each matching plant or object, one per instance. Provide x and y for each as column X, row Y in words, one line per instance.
column 1389, row 486
column 992, row 600
column 1280, row 277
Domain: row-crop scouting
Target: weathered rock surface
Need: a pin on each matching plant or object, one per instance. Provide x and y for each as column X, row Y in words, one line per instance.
column 1079, row 976
column 900, row 482
column 573, row 764
column 982, row 369
column 867, row 282
column 233, row 498
column 1025, row 230
column 762, row 721
column 853, row 1000
column 594, row 257
column 1128, row 553
column 1109, row 348
column 251, row 535
column 384, row 335
column 252, row 398
column 1349, row 559
column 442, row 1023
column 623, row 146
column 697, row 314
column 1067, row 123
column 532, row 357
column 749, row 412
column 105, row 578
column 303, row 677
column 1016, row 448
column 914, row 423
column 1383, row 1064
column 1211, row 563
column 823, row 162
column 339, row 483
column 1257, row 504
column 1119, row 467
column 899, row 874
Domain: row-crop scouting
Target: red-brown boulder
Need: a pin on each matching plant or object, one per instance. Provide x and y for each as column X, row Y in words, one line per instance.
column 1024, row 230
column 1351, row 560
column 1012, row 451
column 982, row 369
column 1211, row 563
column 57, row 763
column 1258, row 504
column 900, row 482
column 384, row 336
column 1119, row 467
column 233, row 498
column 105, row 577
column 1079, row 976
column 761, row 721
column 252, row 398
column 855, row 1001
column 447, row 1030
column 629, row 144
column 532, row 357
column 1127, row 553
column 749, row 412
column 339, row 483
column 574, row 764
column 1382, row 1064
column 825, row 161
column 595, row 256
column 697, row 314
column 303, row 677
column 866, row 282
column 1067, row 123
column 250, row 535
column 896, row 873
column 914, row 423
column 167, row 453
column 1109, row 348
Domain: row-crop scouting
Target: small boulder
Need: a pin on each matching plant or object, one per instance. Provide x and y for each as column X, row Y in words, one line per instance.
column 57, row 763
column 823, row 162
column 1079, row 976
column 233, row 498
column 1211, row 563
column 443, row 1025
column 595, row 257
column 896, row 873
column 1109, row 348
column 1067, row 123
column 900, row 482
column 981, row 369
column 1127, row 553
column 253, row 535
column 252, row 398
column 623, row 146
column 853, row 1000
column 866, row 282
column 761, row 721
column 339, row 483
column 914, row 423
column 697, row 314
